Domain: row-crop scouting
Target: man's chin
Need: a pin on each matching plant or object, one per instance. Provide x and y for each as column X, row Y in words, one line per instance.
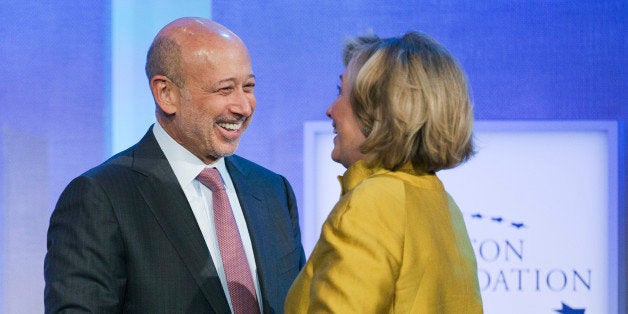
column 227, row 150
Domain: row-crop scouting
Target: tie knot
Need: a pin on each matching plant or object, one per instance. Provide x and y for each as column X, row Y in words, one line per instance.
column 210, row 177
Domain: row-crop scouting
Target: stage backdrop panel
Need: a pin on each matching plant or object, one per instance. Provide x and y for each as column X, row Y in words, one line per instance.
column 540, row 200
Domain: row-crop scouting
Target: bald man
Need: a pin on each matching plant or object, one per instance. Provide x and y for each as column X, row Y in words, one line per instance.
column 137, row 234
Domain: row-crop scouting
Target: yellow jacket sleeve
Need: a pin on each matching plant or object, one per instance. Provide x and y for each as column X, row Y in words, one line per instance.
column 358, row 256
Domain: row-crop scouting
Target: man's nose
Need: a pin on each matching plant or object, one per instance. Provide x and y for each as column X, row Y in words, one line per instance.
column 243, row 103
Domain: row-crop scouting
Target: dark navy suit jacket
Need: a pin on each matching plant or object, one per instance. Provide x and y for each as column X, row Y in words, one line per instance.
column 123, row 238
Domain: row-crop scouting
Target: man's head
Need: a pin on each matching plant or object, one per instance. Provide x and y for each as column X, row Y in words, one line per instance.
column 202, row 82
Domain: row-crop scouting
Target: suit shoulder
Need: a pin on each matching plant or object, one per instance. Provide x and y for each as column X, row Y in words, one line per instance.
column 247, row 166
column 117, row 163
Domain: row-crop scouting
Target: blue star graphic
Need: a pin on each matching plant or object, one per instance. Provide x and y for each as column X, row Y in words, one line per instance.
column 568, row 310
column 477, row 216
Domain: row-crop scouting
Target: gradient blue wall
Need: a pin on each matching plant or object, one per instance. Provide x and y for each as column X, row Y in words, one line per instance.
column 524, row 59
column 53, row 95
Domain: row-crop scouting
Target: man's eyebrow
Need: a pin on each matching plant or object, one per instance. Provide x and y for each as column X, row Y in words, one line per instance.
column 229, row 80
column 216, row 85
column 233, row 79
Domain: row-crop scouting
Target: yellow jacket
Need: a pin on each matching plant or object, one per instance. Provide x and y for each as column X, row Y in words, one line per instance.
column 394, row 243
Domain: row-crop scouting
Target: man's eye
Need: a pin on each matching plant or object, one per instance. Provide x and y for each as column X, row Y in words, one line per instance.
column 249, row 87
column 225, row 90
column 339, row 89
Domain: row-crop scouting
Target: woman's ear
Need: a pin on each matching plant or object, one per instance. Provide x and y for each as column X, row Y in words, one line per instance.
column 165, row 93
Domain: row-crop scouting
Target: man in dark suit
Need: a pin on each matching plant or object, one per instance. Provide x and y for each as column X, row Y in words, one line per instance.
column 137, row 233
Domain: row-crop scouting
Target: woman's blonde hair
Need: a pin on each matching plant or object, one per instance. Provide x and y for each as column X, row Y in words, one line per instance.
column 411, row 99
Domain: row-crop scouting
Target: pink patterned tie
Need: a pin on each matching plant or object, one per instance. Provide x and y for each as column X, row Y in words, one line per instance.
column 239, row 279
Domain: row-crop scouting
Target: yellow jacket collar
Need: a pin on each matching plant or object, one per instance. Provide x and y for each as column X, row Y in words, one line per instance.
column 359, row 171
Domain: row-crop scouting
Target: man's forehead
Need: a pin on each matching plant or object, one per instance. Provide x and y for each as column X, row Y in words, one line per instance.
column 196, row 27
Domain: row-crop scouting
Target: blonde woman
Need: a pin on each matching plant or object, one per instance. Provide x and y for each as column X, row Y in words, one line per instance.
column 396, row 241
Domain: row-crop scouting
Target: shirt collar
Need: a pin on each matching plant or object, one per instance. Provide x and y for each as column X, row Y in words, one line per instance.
column 186, row 166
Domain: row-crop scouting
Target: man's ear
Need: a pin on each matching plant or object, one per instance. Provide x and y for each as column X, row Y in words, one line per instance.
column 166, row 93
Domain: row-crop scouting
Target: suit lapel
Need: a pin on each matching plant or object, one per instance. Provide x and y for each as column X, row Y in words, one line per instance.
column 171, row 209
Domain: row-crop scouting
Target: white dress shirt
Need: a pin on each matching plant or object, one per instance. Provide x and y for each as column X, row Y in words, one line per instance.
column 186, row 167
